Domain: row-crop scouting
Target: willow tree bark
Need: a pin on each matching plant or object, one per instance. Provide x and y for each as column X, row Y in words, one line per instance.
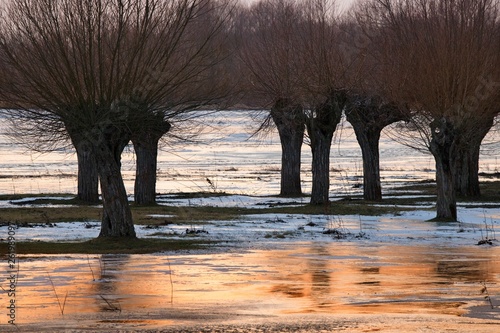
column 146, row 150
column 108, row 144
column 443, row 147
column 88, row 179
column 290, row 121
column 320, row 147
column 368, row 140
column 466, row 171
column 88, row 176
column 466, row 161
column 321, row 124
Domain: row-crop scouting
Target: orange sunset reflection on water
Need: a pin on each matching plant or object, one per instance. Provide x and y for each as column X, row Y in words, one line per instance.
column 327, row 278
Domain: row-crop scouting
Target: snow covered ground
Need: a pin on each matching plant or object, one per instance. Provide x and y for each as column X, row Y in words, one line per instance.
column 262, row 230
column 356, row 273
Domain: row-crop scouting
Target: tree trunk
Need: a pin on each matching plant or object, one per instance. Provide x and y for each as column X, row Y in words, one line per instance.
column 369, row 116
column 466, row 161
column 117, row 217
column 321, row 125
column 369, row 143
column 320, row 165
column 146, row 150
column 289, row 119
column 443, row 147
column 88, row 179
column 145, row 174
column 466, row 176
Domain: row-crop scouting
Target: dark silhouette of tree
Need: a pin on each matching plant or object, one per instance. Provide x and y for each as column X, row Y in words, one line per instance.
column 145, row 143
column 322, row 121
column 466, row 161
column 194, row 78
column 289, row 119
column 327, row 80
column 268, row 51
column 89, row 64
column 369, row 115
column 46, row 133
column 440, row 54
column 416, row 134
column 369, row 109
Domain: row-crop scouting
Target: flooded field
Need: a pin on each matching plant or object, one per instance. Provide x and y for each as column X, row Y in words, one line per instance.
column 273, row 273
column 267, row 272
column 225, row 153
column 336, row 282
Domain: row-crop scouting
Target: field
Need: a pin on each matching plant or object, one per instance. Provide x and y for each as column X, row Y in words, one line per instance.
column 233, row 257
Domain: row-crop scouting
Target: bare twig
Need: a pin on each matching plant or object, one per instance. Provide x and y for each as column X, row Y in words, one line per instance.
column 171, row 282
column 103, row 267
column 487, row 296
column 91, row 270
column 63, row 305
column 111, row 306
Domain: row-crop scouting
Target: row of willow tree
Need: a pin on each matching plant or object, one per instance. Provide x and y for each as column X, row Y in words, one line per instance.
column 100, row 74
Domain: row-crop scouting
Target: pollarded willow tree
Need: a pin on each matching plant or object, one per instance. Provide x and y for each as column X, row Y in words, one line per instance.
column 62, row 59
column 88, row 64
column 416, row 134
column 441, row 53
column 328, row 79
column 294, row 54
column 190, row 78
column 45, row 133
column 369, row 108
column 369, row 115
column 269, row 53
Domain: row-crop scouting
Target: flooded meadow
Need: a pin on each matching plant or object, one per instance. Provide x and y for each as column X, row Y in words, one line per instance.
column 329, row 282
column 267, row 272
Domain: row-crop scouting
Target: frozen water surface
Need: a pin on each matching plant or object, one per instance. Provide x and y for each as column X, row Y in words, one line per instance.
column 233, row 160
column 376, row 273
column 268, row 272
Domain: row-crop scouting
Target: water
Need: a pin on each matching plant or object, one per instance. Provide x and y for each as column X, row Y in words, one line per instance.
column 227, row 155
column 336, row 279
column 406, row 275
